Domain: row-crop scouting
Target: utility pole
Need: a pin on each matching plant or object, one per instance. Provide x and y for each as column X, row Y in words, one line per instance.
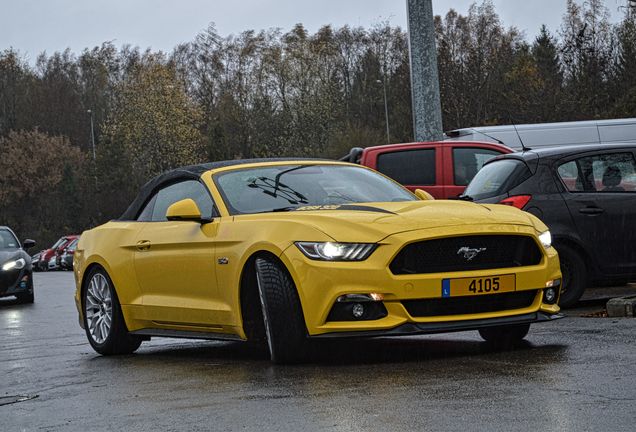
column 92, row 133
column 386, row 111
column 426, row 104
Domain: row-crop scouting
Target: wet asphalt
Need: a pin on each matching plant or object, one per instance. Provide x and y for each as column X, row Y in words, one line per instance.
column 574, row 374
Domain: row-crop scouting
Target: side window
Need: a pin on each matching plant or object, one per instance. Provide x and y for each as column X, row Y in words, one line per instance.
column 569, row 173
column 613, row 172
column 467, row 161
column 156, row 208
column 146, row 213
column 409, row 167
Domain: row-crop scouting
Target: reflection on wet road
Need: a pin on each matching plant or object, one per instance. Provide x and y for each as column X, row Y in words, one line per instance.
column 573, row 374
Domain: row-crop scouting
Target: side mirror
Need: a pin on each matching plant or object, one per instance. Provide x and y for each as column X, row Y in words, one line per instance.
column 423, row 195
column 185, row 210
column 28, row 244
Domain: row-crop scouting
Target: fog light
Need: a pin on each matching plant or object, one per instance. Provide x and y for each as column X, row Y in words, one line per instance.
column 357, row 310
column 550, row 295
column 354, row 307
column 360, row 297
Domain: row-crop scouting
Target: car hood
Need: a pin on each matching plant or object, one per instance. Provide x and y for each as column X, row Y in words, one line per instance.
column 372, row 222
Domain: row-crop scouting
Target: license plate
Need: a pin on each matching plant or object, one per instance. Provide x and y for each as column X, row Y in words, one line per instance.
column 478, row 285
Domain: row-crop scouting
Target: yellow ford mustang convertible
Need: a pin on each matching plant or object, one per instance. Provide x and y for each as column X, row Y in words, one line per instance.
column 284, row 251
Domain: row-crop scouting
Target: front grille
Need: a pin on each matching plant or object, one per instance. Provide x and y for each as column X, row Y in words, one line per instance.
column 469, row 304
column 449, row 254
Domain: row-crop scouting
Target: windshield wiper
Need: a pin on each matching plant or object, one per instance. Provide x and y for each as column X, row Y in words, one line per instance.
column 280, row 209
column 277, row 183
column 274, row 187
column 465, row 198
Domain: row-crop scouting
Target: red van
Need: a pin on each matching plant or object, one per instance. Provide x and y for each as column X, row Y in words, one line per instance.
column 441, row 168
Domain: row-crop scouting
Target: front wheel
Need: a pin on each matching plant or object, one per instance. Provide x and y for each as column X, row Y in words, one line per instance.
column 282, row 313
column 504, row 335
column 574, row 276
column 103, row 319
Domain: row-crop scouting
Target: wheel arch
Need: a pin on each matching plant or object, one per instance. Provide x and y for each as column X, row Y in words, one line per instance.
column 250, row 309
column 578, row 248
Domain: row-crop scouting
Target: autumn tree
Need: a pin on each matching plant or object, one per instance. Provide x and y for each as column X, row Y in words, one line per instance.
column 155, row 122
column 587, row 50
column 43, row 186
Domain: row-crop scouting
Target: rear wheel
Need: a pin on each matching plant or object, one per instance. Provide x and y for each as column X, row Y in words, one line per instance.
column 285, row 328
column 504, row 335
column 574, row 276
column 103, row 320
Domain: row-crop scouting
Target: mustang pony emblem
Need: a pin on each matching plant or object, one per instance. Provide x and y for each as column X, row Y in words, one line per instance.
column 469, row 253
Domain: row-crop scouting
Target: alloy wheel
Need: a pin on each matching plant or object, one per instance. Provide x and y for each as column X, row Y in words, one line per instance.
column 99, row 308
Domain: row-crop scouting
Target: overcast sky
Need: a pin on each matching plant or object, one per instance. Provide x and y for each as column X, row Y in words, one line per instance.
column 33, row 26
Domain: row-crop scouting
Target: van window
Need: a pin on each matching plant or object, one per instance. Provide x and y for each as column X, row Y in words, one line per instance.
column 467, row 161
column 409, row 167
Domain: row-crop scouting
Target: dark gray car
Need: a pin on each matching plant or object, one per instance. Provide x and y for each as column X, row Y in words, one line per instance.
column 16, row 274
column 585, row 194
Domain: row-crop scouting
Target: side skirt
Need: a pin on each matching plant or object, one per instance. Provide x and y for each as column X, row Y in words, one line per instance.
column 184, row 334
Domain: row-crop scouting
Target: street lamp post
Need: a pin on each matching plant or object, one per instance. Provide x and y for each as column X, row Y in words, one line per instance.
column 92, row 132
column 386, row 111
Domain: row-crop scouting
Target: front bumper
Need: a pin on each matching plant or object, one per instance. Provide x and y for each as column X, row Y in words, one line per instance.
column 320, row 283
column 15, row 282
column 410, row 329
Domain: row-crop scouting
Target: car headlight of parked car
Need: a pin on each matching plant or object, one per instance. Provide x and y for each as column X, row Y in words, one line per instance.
column 330, row 251
column 14, row 264
column 546, row 239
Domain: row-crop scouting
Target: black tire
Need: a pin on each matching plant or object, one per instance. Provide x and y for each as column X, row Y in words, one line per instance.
column 118, row 340
column 285, row 328
column 574, row 273
column 504, row 335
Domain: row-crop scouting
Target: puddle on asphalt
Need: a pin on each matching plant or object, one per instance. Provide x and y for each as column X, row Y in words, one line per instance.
column 7, row 400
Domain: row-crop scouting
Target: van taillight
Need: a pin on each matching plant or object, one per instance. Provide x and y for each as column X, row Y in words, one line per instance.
column 518, row 201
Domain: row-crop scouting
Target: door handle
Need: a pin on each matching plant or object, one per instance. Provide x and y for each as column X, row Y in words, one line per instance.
column 591, row 211
column 143, row 245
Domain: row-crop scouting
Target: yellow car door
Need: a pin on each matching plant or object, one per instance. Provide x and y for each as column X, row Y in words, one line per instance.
column 174, row 261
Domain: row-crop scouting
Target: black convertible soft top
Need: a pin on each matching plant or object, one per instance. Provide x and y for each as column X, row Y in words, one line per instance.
column 190, row 172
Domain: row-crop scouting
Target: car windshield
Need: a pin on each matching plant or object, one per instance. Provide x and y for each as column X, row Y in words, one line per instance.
column 72, row 246
column 497, row 178
column 8, row 240
column 281, row 188
column 58, row 243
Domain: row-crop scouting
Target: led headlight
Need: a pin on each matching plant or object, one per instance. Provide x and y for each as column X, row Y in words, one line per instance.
column 14, row 264
column 546, row 239
column 328, row 251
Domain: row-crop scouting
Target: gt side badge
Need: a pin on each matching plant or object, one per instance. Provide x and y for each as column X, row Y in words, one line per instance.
column 223, row 260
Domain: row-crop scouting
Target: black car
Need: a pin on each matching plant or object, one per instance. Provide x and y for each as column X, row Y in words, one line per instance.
column 585, row 194
column 16, row 276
